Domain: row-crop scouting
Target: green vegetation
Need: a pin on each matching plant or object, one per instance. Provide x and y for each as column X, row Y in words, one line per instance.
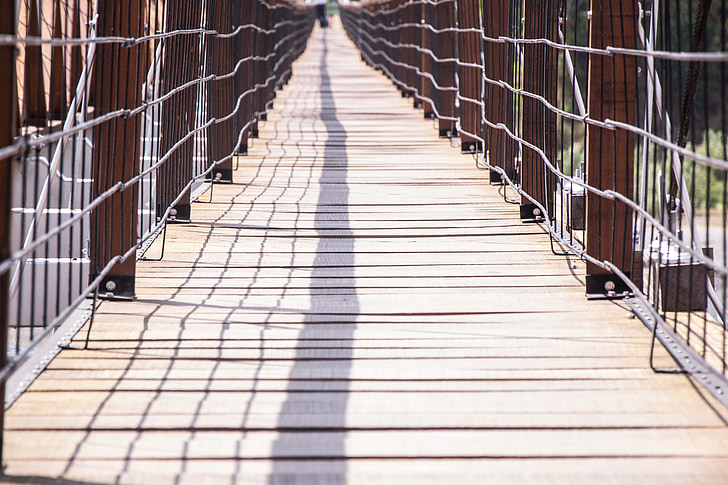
column 707, row 185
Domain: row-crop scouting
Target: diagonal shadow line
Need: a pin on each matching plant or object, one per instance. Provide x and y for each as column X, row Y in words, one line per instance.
column 306, row 438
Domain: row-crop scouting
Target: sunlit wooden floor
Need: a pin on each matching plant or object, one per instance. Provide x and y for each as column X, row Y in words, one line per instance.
column 361, row 307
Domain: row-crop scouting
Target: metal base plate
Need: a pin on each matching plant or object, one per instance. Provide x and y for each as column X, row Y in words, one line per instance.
column 471, row 147
column 605, row 286
column 226, row 175
column 448, row 132
column 116, row 287
column 531, row 213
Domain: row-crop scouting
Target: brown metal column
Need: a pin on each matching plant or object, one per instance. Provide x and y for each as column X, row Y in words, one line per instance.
column 610, row 154
column 220, row 103
column 119, row 74
column 426, row 64
column 178, row 55
column 35, row 111
column 411, row 54
column 244, row 79
column 470, row 76
column 541, row 19
column 444, row 48
column 8, row 125
column 58, row 89
column 498, row 101
column 375, row 17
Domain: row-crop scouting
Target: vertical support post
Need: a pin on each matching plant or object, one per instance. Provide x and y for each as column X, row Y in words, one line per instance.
column 498, row 101
column 118, row 77
column 8, row 125
column 36, row 110
column 610, row 154
column 58, row 97
column 444, row 48
column 411, row 54
column 426, row 64
column 376, row 18
column 176, row 172
column 244, row 80
column 220, row 55
column 470, row 77
column 541, row 19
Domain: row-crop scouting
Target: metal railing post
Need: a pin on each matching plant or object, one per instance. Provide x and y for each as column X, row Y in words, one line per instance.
column 8, row 127
column 444, row 48
column 411, row 54
column 244, row 79
column 426, row 63
column 470, row 76
column 35, row 110
column 541, row 19
column 119, row 74
column 610, row 153
column 498, row 102
column 175, row 173
column 220, row 99
column 58, row 93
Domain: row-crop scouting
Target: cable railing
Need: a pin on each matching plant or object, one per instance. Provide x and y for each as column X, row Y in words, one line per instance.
column 118, row 115
column 607, row 121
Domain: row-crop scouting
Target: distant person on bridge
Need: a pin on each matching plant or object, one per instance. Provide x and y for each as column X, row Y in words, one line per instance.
column 320, row 6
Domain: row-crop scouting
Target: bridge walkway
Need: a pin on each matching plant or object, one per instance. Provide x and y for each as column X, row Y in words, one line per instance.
column 360, row 306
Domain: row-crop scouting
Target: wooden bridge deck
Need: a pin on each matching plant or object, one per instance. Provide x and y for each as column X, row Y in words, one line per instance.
column 359, row 307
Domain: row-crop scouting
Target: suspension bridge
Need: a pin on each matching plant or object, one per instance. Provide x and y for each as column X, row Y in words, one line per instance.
column 350, row 288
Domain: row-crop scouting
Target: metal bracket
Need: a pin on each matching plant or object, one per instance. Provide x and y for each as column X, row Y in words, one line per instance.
column 531, row 213
column 117, row 287
column 181, row 213
column 468, row 147
column 497, row 179
column 448, row 132
column 223, row 176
